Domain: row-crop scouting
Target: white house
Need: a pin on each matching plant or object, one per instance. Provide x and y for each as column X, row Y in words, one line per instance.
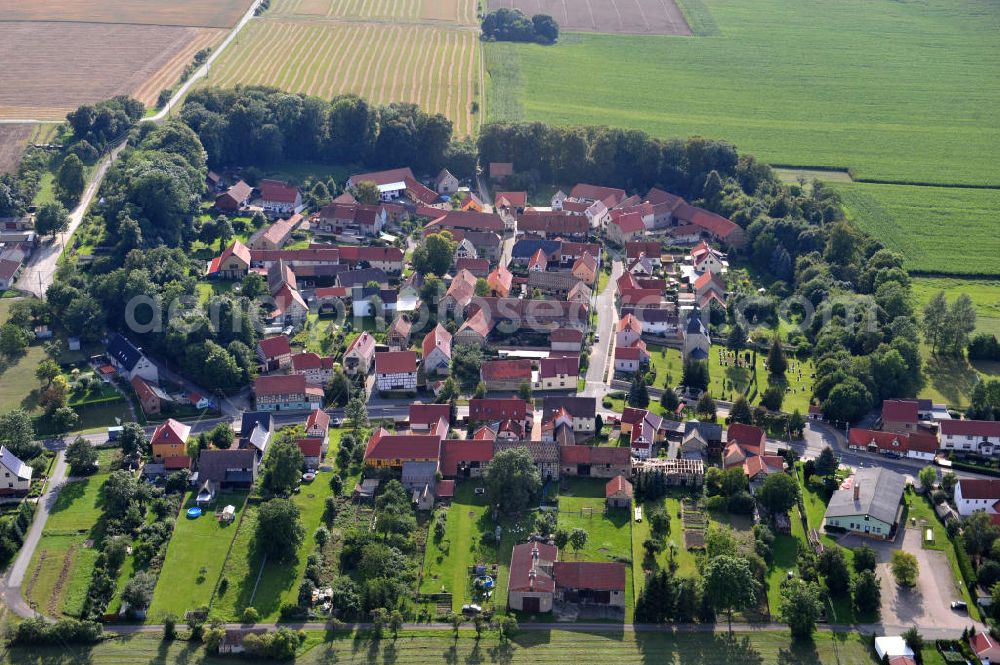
column 395, row 370
column 130, row 361
column 975, row 436
column 279, row 198
column 437, row 351
column 973, row 495
column 16, row 474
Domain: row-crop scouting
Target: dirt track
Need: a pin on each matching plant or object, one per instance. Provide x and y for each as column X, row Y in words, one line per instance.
column 51, row 68
column 650, row 17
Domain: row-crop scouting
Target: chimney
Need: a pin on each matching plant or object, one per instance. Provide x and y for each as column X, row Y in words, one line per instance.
column 531, row 579
column 857, row 489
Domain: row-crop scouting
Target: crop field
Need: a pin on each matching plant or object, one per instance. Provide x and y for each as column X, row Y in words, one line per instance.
column 13, row 139
column 553, row 647
column 937, row 229
column 654, row 17
column 893, row 91
column 42, row 81
column 195, row 13
column 434, row 67
column 453, row 11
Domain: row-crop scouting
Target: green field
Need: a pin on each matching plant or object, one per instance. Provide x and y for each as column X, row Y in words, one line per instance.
column 893, row 91
column 936, row 229
column 555, row 647
column 985, row 294
column 195, row 558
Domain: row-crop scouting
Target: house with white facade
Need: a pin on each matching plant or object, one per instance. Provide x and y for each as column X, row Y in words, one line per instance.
column 395, row 370
column 975, row 495
column 972, row 436
column 16, row 479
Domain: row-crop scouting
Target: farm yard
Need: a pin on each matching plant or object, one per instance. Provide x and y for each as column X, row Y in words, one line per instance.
column 194, row 13
column 432, row 66
column 454, row 11
column 42, row 82
column 655, row 17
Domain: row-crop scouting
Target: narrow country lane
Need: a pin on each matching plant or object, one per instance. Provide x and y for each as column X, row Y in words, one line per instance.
column 11, row 589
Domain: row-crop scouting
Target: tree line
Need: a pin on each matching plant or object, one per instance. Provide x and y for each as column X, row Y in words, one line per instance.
column 263, row 126
column 512, row 25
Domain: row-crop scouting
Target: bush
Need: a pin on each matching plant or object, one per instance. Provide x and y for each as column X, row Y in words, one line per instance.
column 62, row 632
column 250, row 615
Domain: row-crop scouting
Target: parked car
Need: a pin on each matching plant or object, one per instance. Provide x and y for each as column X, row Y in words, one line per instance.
column 471, row 609
column 960, row 605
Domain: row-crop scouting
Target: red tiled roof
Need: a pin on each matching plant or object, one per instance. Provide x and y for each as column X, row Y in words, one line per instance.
column 383, row 445
column 630, row 222
column 274, row 347
column 500, row 280
column 748, row 436
column 383, row 177
column 498, row 408
column 554, row 223
column 596, row 575
column 142, row 389
column 306, row 361
column 395, row 362
column 989, row 428
column 552, row 367
column 281, row 384
column 566, row 335
column 636, row 248
column 308, row 255
column 318, row 418
column 900, row 411
column 466, row 220
column 594, row 455
column 176, row 462
column 170, row 432
column 351, row 254
column 629, row 353
column 515, row 199
column 445, row 489
column 980, row 488
column 629, row 322
column 506, row 370
column 331, row 292
column 454, row 451
column 616, row 485
column 981, row 642
column 363, row 344
column 521, row 565
column 890, row 441
column 706, row 278
column 439, row 337
column 310, row 447
column 429, row 414
column 275, row 190
column 475, row 266
column 924, row 443
column 596, row 192
column 714, row 224
column 501, row 169
column 462, row 287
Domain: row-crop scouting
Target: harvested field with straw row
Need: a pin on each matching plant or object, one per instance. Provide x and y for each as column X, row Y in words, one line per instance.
column 192, row 13
column 453, row 11
column 434, row 67
column 42, row 81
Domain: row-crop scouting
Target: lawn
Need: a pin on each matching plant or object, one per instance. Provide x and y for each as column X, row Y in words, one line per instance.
column 61, row 567
column 687, row 561
column 951, row 380
column 18, row 385
column 527, row 647
column 985, row 294
column 468, row 540
column 936, row 229
column 894, row 91
column 195, row 557
column 609, row 536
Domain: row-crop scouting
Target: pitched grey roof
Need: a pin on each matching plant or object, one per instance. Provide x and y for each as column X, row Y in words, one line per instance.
column 124, row 352
column 14, row 465
column 880, row 492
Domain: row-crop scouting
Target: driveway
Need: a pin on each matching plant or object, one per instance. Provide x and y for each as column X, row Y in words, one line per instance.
column 929, row 603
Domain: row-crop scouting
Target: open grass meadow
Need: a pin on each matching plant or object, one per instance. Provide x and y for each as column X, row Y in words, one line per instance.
column 893, row 91
column 937, row 229
column 432, row 64
column 985, row 294
column 59, row 572
column 555, row 647
column 195, row 557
